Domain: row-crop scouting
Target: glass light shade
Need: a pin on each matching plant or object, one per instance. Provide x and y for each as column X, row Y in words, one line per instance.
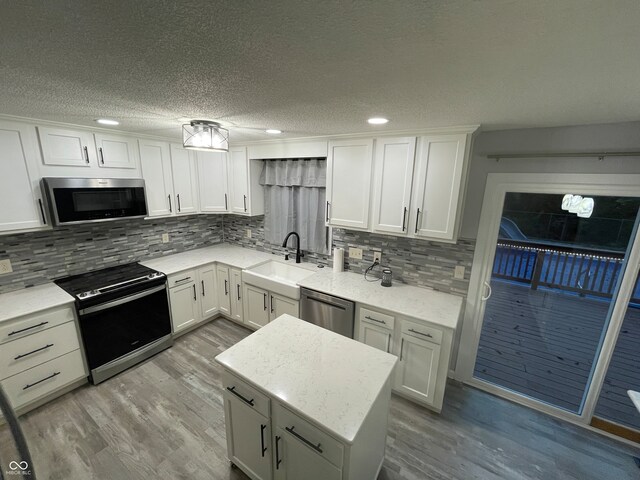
column 585, row 209
column 566, row 201
column 205, row 135
column 575, row 203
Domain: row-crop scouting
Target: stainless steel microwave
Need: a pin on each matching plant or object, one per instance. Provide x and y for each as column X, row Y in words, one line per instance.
column 82, row 200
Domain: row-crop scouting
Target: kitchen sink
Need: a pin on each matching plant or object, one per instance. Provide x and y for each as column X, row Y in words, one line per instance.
column 278, row 277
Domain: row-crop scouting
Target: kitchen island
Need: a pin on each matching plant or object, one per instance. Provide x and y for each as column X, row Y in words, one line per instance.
column 304, row 402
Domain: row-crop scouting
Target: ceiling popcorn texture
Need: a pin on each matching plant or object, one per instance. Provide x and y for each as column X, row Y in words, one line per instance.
column 320, row 67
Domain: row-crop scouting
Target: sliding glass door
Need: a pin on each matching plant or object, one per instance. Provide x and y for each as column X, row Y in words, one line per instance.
column 544, row 309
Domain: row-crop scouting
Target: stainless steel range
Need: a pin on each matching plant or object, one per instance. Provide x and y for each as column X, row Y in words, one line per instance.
column 124, row 316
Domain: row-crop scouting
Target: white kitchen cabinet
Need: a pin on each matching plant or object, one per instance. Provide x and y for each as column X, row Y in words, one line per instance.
column 20, row 194
column 279, row 305
column 155, row 159
column 295, row 460
column 235, row 280
column 185, row 180
column 439, row 171
column 184, row 305
column 224, row 289
column 246, row 195
column 349, row 168
column 394, row 160
column 376, row 336
column 417, row 372
column 206, row 278
column 115, row 151
column 256, row 308
column 64, row 147
column 213, row 184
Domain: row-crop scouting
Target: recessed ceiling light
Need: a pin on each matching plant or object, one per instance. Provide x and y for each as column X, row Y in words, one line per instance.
column 106, row 121
column 378, row 120
column 273, row 131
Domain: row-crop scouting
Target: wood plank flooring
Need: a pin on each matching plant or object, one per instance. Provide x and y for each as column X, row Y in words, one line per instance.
column 164, row 420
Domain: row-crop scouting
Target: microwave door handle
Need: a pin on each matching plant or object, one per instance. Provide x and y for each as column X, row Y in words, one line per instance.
column 121, row 301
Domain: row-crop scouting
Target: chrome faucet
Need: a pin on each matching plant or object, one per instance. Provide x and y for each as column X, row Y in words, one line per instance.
column 298, row 253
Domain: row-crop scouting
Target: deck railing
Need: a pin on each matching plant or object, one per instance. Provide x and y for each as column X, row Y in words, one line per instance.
column 583, row 271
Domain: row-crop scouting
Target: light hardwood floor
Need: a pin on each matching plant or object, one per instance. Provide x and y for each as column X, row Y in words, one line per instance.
column 164, row 420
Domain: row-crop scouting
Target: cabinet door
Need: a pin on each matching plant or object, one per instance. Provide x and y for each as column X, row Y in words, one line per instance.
column 439, row 169
column 280, row 305
column 235, row 281
column 256, row 309
column 66, row 147
column 212, row 178
column 294, row 460
column 156, row 171
column 207, row 286
column 185, row 180
column 249, row 442
column 224, row 289
column 238, row 166
column 184, row 306
column 349, row 183
column 375, row 336
column 392, row 184
column 20, row 198
column 115, row 151
column 417, row 371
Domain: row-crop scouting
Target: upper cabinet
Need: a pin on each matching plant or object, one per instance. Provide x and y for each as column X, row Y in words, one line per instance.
column 440, row 165
column 116, row 151
column 349, row 167
column 245, row 191
column 62, row 147
column 415, row 189
column 392, row 184
column 170, row 178
column 212, row 180
column 20, row 195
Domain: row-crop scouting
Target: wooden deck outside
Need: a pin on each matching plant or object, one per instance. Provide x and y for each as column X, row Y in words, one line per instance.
column 542, row 343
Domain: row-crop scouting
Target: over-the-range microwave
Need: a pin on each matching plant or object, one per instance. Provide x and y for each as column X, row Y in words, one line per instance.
column 82, row 200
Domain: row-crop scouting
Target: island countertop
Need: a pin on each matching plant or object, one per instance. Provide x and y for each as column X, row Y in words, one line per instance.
column 328, row 378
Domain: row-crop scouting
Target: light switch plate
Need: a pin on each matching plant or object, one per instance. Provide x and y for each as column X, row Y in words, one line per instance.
column 5, row 266
column 459, row 272
column 248, row 233
column 165, row 238
column 355, row 253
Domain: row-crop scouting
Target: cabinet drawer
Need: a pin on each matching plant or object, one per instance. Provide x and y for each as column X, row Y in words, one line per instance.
column 377, row 318
column 29, row 324
column 424, row 332
column 38, row 348
column 243, row 391
column 308, row 434
column 181, row 278
column 44, row 379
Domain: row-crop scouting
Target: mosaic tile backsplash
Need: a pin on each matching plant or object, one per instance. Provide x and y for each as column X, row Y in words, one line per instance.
column 39, row 257
column 416, row 262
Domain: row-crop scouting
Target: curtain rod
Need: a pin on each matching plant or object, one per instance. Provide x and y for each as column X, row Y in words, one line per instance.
column 598, row 155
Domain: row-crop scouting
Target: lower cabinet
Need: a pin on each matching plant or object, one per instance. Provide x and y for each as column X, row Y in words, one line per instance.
column 224, row 287
column 184, row 306
column 206, row 287
column 235, row 280
column 295, row 460
column 423, row 351
column 261, row 306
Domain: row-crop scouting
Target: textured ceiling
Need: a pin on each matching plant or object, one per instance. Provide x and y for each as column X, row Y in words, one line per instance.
column 320, row 67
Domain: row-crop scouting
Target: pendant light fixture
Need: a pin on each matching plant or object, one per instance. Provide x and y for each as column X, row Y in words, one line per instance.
column 205, row 135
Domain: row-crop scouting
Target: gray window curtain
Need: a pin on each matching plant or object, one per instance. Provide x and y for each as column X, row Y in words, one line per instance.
column 294, row 199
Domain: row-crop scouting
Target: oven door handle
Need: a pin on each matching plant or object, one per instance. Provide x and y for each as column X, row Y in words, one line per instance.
column 121, row 301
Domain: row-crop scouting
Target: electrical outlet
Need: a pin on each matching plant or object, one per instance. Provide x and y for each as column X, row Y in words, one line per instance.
column 5, row 266
column 459, row 272
column 248, row 233
column 165, row 238
column 355, row 253
column 377, row 256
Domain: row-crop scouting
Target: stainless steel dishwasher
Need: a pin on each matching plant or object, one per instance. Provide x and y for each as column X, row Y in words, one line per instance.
column 333, row 313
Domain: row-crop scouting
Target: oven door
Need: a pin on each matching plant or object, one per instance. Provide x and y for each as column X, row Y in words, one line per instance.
column 116, row 328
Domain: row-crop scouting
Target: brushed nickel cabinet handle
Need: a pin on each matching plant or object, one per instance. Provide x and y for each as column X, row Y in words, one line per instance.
column 86, row 154
column 101, row 155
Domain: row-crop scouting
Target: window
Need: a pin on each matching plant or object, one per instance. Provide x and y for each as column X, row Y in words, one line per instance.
column 294, row 200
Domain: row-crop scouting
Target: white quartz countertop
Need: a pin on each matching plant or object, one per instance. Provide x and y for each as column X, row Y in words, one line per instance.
column 229, row 255
column 31, row 300
column 635, row 398
column 328, row 378
column 418, row 302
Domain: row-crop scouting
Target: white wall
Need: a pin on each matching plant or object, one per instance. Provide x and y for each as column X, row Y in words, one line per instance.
column 612, row 137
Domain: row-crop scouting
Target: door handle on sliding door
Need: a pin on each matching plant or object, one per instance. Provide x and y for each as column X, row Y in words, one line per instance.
column 484, row 299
